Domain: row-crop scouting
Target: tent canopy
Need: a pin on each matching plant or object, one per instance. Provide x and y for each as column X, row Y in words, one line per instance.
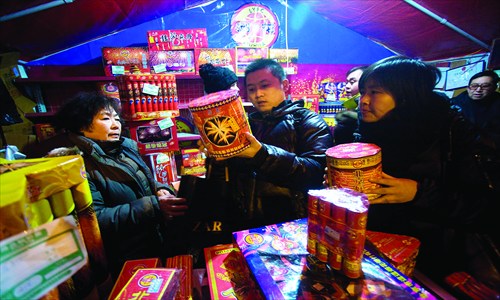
column 427, row 29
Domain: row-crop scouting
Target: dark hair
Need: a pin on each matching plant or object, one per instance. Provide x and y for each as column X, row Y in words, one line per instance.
column 216, row 78
column 78, row 112
column 410, row 82
column 266, row 63
column 488, row 73
column 352, row 70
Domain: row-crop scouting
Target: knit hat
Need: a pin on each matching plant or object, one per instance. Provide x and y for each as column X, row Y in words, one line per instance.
column 216, row 79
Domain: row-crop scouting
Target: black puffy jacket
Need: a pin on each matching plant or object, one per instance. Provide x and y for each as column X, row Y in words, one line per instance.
column 272, row 187
column 124, row 199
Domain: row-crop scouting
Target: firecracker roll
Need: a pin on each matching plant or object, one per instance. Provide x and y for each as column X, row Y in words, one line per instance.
column 352, row 166
column 222, row 122
column 340, row 237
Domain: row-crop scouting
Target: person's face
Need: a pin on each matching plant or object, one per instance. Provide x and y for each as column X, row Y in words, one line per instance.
column 264, row 90
column 481, row 87
column 106, row 126
column 351, row 85
column 375, row 103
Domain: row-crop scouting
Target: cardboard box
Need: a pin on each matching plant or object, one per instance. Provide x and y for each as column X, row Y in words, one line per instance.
column 287, row 58
column 164, row 167
column 246, row 55
column 151, row 283
column 151, row 137
column 172, row 61
column 400, row 250
column 128, row 270
column 219, row 57
column 277, row 257
column 175, row 39
column 132, row 59
column 228, row 274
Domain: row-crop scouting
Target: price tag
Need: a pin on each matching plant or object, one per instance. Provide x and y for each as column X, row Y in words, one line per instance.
column 150, row 89
column 161, row 68
column 165, row 123
column 118, row 70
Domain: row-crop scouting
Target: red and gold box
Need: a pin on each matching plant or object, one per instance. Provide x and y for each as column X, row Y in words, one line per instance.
column 247, row 55
column 133, row 59
column 228, row 274
column 287, row 58
column 152, row 137
column 174, row 39
column 128, row 270
column 164, row 167
column 151, row 283
column 172, row 61
column 44, row 131
column 399, row 250
column 219, row 57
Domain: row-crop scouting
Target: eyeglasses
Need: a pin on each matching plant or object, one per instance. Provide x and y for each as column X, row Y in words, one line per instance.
column 482, row 86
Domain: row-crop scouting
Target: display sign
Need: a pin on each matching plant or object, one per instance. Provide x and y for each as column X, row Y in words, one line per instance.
column 172, row 61
column 254, row 25
column 459, row 77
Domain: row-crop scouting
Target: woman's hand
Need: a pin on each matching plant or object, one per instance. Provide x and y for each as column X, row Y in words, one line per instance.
column 162, row 192
column 172, row 206
column 393, row 190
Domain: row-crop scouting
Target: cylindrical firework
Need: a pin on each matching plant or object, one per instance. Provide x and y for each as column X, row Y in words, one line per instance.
column 353, row 165
column 222, row 122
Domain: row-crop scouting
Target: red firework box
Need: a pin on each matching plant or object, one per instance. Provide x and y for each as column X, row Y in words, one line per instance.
column 339, row 229
column 128, row 270
column 184, row 263
column 147, row 97
column 222, row 122
column 172, row 61
column 352, row 165
column 175, row 39
column 228, row 274
column 164, row 167
column 154, row 136
column 125, row 60
column 400, row 250
column 151, row 283
column 287, row 58
column 219, row 57
column 247, row 55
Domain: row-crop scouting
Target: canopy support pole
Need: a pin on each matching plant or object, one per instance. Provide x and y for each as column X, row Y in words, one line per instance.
column 446, row 23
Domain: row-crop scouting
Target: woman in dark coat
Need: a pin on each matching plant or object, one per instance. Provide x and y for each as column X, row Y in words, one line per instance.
column 433, row 186
column 131, row 207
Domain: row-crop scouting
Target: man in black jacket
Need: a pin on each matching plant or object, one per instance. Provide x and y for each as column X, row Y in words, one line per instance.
column 286, row 157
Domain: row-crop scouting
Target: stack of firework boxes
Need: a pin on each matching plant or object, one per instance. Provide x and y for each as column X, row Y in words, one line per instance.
column 150, row 105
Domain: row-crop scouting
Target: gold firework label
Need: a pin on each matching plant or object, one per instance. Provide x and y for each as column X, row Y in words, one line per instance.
column 222, row 122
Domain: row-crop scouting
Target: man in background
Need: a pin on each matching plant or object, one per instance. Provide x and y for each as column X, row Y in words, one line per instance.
column 348, row 119
column 480, row 104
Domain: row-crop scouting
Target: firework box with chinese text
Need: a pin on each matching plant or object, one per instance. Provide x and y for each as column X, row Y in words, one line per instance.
column 151, row 283
column 132, row 60
column 153, row 136
column 287, row 58
column 228, row 274
column 128, row 270
column 247, row 55
column 219, row 57
column 175, row 39
column 399, row 250
column 173, row 61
